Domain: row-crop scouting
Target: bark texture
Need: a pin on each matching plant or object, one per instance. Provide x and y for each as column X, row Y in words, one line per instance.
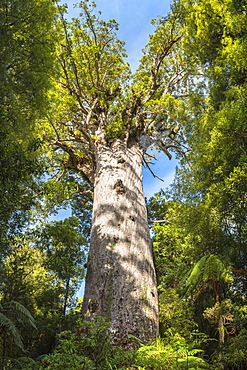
column 121, row 281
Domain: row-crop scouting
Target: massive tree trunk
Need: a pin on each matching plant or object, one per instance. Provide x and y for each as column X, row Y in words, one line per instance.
column 121, row 281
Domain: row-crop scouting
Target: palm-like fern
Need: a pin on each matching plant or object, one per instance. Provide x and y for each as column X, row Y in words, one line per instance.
column 208, row 270
column 11, row 312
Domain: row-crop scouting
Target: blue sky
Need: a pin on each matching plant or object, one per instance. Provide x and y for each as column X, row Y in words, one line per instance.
column 134, row 18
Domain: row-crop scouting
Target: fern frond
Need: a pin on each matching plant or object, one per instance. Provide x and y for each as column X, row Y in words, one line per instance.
column 28, row 361
column 11, row 329
column 213, row 268
column 195, row 351
column 192, row 363
column 196, row 273
column 20, row 313
column 208, row 269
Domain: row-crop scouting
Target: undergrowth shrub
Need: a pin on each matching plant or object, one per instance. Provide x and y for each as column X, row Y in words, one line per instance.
column 162, row 355
column 90, row 349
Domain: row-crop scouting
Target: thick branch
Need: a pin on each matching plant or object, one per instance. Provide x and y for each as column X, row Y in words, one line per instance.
column 159, row 58
column 85, row 164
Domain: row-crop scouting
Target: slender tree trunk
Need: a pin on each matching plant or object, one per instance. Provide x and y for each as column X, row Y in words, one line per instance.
column 121, row 281
column 66, row 296
column 221, row 330
column 3, row 350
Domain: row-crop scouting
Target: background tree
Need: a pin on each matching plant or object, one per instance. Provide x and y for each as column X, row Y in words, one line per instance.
column 24, row 279
column 27, row 51
column 63, row 246
column 217, row 161
column 13, row 313
column 44, row 274
column 210, row 182
column 173, row 255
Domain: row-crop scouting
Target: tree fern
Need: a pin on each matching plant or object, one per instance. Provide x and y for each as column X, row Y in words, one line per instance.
column 8, row 326
column 196, row 274
column 213, row 268
column 208, row 269
column 20, row 313
column 9, row 313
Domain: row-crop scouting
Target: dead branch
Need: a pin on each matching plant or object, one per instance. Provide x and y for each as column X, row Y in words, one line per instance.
column 146, row 164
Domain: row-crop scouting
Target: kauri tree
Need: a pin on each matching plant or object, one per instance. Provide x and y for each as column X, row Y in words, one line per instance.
column 101, row 122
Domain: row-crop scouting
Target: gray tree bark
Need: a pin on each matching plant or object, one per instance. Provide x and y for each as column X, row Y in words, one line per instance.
column 121, row 280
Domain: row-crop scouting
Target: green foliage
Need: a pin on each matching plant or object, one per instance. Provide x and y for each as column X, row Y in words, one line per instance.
column 41, row 285
column 24, row 363
column 216, row 131
column 175, row 312
column 172, row 353
column 192, row 363
column 93, row 73
column 210, row 185
column 173, row 256
column 27, row 57
column 63, row 246
column 171, row 243
column 236, row 350
column 91, row 348
column 27, row 62
column 66, row 357
column 207, row 270
column 23, row 274
column 11, row 313
column 176, row 249
column 18, row 168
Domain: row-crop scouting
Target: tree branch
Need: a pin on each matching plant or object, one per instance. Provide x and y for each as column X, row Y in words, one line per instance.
column 146, row 164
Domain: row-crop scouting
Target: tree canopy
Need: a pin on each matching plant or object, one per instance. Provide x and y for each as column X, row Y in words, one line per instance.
column 97, row 100
column 27, row 52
